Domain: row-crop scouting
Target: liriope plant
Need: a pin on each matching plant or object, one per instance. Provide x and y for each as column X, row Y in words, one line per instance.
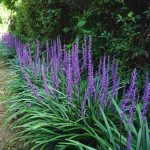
column 62, row 103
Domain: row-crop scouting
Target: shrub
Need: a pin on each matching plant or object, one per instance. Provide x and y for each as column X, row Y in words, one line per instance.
column 119, row 28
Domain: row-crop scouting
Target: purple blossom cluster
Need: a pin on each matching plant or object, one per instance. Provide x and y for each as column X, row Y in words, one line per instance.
column 129, row 141
column 45, row 80
column 56, row 59
column 31, row 85
column 104, row 83
column 130, row 98
column 91, row 86
column 11, row 41
column 101, row 86
column 69, row 78
column 146, row 98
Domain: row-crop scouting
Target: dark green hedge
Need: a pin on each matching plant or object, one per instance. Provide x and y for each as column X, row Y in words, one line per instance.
column 119, row 27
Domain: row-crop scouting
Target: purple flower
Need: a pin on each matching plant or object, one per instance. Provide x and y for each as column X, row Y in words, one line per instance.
column 32, row 87
column 146, row 99
column 69, row 78
column 19, row 54
column 102, row 81
column 84, row 53
column 147, row 80
column 30, row 59
column 131, row 111
column 75, row 63
column 114, row 71
column 54, row 73
column 105, row 82
column 48, row 53
column 9, row 40
column 84, row 101
column 100, row 67
column 114, row 75
column 65, row 63
column 59, row 47
column 115, row 80
column 25, row 57
column 91, row 87
column 38, row 68
column 45, row 80
column 129, row 140
column 130, row 97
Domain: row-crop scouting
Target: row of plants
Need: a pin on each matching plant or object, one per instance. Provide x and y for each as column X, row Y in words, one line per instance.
column 119, row 27
column 62, row 101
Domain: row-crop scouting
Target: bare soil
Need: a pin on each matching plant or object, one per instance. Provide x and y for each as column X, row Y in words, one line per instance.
column 4, row 131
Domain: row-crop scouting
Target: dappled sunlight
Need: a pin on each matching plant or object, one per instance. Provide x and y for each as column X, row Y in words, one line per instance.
column 4, row 18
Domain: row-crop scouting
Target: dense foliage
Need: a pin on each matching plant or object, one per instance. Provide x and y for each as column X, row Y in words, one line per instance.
column 9, row 3
column 62, row 103
column 120, row 28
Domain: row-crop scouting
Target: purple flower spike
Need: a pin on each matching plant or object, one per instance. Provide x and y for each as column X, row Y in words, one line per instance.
column 115, row 80
column 25, row 56
column 38, row 69
column 75, row 64
column 105, row 81
column 69, row 79
column 147, row 77
column 130, row 97
column 19, row 54
column 133, row 96
column 91, row 87
column 146, row 99
column 84, row 53
column 44, row 79
column 37, row 51
column 32, row 87
column 100, row 67
column 147, row 80
column 30, row 59
column 84, row 101
column 129, row 141
column 54, row 73
column 65, row 62
column 48, row 53
column 114, row 75
column 102, row 81
column 59, row 47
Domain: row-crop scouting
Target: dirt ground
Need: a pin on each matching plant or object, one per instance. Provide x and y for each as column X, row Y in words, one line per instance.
column 4, row 131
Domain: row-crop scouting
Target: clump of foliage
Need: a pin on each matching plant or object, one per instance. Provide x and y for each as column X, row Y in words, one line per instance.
column 9, row 3
column 35, row 20
column 119, row 27
column 62, row 103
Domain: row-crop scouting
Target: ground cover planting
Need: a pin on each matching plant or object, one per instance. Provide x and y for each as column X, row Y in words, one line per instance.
column 64, row 101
